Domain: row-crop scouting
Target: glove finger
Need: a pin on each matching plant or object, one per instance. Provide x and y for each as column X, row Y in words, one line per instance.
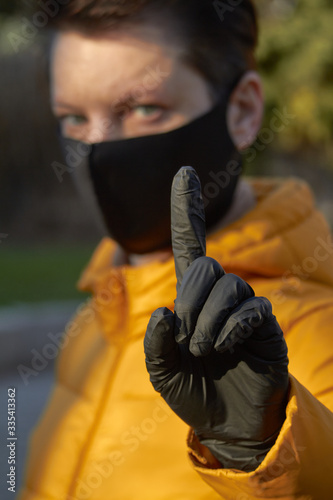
column 251, row 321
column 188, row 228
column 198, row 282
column 161, row 349
column 228, row 293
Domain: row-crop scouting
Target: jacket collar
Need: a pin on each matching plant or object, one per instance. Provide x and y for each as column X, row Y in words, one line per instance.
column 281, row 231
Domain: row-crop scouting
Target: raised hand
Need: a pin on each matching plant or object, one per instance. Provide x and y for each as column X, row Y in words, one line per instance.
column 220, row 360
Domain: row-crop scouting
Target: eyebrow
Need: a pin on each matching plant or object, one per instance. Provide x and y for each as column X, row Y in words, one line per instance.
column 126, row 99
column 129, row 98
column 59, row 104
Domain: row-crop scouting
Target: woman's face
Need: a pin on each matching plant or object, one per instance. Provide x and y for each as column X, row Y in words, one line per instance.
column 122, row 85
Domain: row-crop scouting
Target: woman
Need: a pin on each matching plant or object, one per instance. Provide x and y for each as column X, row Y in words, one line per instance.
column 141, row 89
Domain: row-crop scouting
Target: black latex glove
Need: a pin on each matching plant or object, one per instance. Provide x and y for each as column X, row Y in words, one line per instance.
column 220, row 360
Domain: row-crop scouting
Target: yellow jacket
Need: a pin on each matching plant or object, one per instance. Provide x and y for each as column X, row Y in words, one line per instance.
column 107, row 435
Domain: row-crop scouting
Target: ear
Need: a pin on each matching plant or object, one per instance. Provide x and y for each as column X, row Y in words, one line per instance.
column 245, row 110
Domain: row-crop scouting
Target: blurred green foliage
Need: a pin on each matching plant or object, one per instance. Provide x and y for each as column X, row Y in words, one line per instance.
column 296, row 61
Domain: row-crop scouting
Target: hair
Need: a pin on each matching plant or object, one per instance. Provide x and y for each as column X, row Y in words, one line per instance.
column 219, row 39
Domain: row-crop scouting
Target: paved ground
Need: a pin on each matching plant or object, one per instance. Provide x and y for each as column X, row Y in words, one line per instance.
column 24, row 332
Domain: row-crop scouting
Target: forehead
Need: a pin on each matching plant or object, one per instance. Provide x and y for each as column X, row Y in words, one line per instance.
column 117, row 60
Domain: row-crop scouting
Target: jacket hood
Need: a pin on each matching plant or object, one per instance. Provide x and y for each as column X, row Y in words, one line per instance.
column 283, row 235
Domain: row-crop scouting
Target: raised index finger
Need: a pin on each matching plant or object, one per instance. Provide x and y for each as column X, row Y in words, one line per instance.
column 188, row 228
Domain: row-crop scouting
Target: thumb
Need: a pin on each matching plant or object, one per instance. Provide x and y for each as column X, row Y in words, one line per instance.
column 161, row 349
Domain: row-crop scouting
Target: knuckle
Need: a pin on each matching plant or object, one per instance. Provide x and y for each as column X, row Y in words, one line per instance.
column 243, row 289
column 207, row 265
column 160, row 313
column 265, row 306
column 199, row 277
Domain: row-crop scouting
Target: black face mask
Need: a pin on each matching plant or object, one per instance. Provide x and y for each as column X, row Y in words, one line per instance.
column 132, row 178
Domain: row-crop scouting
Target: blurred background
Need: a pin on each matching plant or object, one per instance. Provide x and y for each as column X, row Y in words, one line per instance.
column 47, row 236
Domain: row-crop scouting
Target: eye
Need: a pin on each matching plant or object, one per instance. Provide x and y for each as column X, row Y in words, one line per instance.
column 72, row 120
column 147, row 110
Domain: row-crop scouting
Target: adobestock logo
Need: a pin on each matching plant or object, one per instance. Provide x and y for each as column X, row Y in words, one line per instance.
column 223, row 8
column 39, row 20
column 86, row 313
column 293, row 278
column 280, row 119
column 73, row 158
column 130, row 441
column 220, row 180
column 75, row 154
